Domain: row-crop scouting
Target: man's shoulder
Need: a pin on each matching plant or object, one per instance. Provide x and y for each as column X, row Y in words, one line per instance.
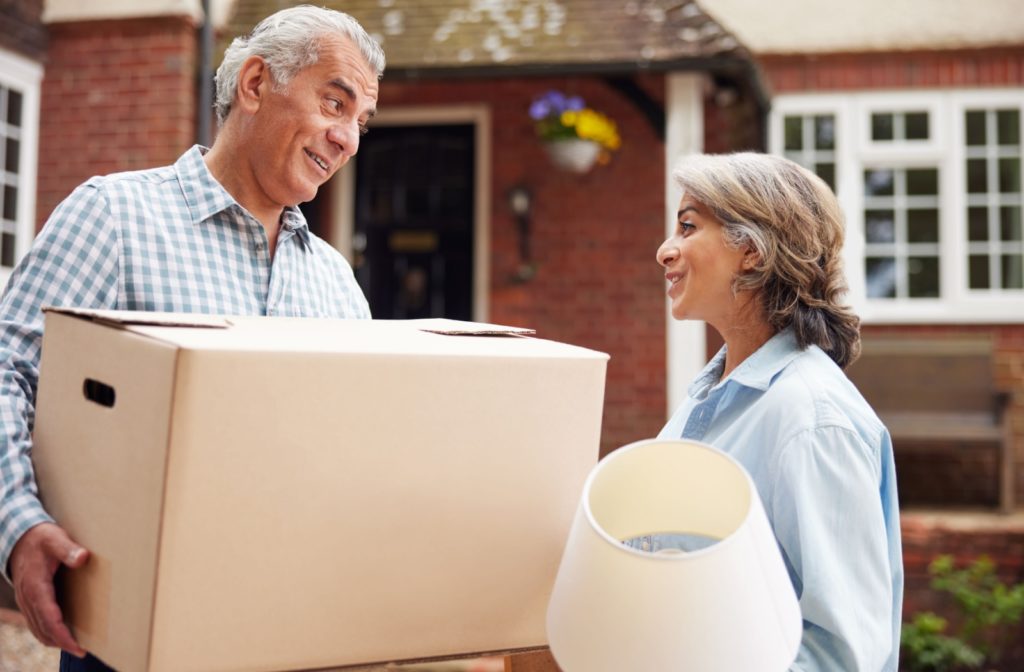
column 126, row 179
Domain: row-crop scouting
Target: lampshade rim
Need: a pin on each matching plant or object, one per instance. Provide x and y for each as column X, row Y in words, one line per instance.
column 665, row 557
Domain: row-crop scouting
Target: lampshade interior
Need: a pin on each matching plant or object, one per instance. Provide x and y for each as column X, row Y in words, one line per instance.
column 686, row 494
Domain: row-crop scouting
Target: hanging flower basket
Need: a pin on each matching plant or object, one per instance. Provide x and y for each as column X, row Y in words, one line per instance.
column 574, row 156
column 575, row 136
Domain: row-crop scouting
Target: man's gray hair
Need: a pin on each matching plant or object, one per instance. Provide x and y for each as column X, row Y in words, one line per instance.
column 288, row 41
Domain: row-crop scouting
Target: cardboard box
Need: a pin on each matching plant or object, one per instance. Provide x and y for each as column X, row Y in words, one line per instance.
column 274, row 494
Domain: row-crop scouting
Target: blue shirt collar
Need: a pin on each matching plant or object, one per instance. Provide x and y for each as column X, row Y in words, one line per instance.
column 756, row 371
column 206, row 197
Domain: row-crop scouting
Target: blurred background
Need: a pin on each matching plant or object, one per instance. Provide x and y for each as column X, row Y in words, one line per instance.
column 464, row 201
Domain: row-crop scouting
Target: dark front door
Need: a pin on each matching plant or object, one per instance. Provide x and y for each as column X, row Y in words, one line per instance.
column 413, row 234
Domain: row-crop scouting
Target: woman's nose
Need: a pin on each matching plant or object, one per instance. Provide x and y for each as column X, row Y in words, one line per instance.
column 667, row 253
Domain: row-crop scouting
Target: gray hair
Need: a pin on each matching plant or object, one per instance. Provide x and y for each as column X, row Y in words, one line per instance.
column 288, row 41
column 791, row 218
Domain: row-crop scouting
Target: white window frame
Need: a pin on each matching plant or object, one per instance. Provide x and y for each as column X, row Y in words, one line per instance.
column 855, row 151
column 25, row 76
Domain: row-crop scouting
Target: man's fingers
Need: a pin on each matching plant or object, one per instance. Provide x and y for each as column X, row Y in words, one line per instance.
column 34, row 560
column 61, row 548
column 46, row 620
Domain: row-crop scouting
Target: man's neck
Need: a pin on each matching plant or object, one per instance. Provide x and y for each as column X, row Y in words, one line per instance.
column 229, row 165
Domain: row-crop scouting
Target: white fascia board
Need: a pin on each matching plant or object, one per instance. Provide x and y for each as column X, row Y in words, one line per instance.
column 60, row 11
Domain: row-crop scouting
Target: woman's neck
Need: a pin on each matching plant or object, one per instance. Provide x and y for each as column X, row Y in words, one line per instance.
column 744, row 335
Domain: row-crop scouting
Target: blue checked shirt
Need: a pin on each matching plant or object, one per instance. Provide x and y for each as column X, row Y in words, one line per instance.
column 168, row 239
column 823, row 465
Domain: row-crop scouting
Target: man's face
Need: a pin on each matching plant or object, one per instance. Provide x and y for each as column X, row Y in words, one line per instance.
column 304, row 132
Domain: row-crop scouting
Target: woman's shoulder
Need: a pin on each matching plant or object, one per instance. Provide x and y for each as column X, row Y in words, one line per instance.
column 816, row 391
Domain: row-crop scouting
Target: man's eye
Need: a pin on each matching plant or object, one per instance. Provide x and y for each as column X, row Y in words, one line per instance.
column 335, row 104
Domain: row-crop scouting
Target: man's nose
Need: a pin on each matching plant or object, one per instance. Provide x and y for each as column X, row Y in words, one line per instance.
column 346, row 136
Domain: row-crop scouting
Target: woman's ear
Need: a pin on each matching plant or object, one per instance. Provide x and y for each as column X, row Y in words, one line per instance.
column 253, row 83
column 751, row 259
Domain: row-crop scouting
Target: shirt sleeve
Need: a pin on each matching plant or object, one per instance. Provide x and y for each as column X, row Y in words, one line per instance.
column 829, row 522
column 73, row 263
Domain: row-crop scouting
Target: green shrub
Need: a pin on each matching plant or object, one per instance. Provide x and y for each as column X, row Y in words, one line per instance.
column 988, row 611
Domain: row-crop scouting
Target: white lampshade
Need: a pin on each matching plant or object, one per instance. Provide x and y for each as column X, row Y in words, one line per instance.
column 727, row 607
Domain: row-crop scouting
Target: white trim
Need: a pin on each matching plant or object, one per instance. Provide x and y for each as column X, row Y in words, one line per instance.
column 24, row 75
column 56, row 11
column 343, row 194
column 945, row 150
column 686, row 342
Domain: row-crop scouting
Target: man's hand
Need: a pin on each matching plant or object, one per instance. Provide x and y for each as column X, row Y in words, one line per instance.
column 34, row 561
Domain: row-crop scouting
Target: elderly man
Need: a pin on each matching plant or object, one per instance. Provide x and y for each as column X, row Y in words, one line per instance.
column 217, row 232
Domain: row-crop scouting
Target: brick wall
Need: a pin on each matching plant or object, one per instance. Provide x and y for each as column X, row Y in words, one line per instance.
column 117, row 95
column 22, row 29
column 887, row 70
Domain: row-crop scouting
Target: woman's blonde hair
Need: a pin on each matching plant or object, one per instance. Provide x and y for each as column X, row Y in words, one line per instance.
column 791, row 219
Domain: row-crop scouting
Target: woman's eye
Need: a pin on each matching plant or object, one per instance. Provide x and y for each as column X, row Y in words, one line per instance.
column 686, row 228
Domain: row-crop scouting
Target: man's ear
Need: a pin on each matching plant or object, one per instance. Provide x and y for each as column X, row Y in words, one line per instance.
column 253, row 84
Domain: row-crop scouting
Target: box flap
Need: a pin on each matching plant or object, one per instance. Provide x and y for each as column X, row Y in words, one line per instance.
column 130, row 318
column 461, row 328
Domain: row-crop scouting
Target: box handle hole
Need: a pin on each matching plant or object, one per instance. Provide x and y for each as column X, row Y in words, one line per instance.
column 99, row 393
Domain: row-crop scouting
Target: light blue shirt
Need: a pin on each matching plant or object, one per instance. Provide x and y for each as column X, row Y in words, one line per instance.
column 823, row 466
column 167, row 239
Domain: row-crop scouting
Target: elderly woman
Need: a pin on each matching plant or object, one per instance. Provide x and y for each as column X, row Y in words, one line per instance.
column 756, row 254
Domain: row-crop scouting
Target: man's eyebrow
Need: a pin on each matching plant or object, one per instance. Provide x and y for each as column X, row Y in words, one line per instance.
column 344, row 86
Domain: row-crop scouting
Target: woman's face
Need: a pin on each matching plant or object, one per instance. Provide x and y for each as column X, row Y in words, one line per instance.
column 700, row 267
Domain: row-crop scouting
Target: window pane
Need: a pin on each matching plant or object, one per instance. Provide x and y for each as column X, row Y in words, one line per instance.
column 1013, row 277
column 1010, row 223
column 7, row 250
column 11, row 162
column 13, row 107
column 1009, row 176
column 1008, row 127
column 824, row 132
column 923, row 226
column 10, row 202
column 881, row 127
column 922, row 181
column 977, row 182
column 917, row 125
column 978, row 271
column 923, row 277
column 977, row 224
column 827, row 172
column 880, row 277
column 975, row 127
column 880, row 226
column 878, row 182
column 794, row 133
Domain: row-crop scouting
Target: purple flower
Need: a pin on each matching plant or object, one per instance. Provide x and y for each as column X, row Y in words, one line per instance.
column 553, row 103
column 539, row 109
